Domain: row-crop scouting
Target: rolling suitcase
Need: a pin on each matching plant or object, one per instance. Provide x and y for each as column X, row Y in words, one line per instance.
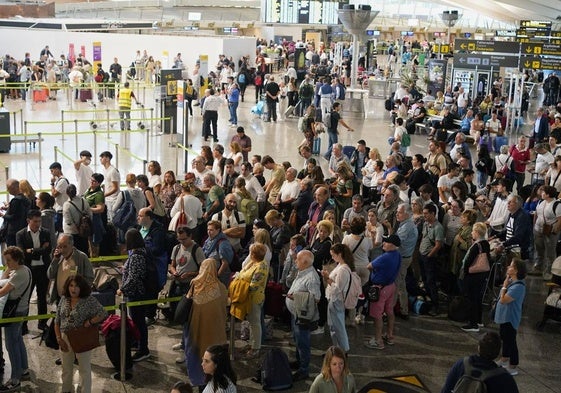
column 274, row 301
column 106, row 298
column 40, row 95
column 85, row 95
column 316, row 146
column 289, row 111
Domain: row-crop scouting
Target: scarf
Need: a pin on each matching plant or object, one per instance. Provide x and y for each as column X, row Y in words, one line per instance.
column 206, row 286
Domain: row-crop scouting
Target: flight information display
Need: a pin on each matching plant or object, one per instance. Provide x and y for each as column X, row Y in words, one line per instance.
column 302, row 11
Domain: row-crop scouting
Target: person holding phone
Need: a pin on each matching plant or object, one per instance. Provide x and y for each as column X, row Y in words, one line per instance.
column 508, row 312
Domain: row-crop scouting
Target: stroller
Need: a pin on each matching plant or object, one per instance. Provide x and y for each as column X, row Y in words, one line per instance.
column 552, row 309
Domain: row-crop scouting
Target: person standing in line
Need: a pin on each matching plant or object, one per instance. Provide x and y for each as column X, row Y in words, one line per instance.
column 59, row 183
column 233, row 101
column 272, row 90
column 332, row 131
column 14, row 212
column 111, row 183
column 211, row 104
column 83, row 172
column 77, row 308
column 508, row 312
column 125, row 97
column 220, row 375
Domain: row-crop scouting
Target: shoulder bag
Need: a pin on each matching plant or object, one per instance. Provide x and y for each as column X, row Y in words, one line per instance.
column 83, row 339
column 183, row 310
column 481, row 264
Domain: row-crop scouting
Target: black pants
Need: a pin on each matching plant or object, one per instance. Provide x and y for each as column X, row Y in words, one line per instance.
column 272, row 110
column 473, row 290
column 510, row 349
column 210, row 118
column 39, row 279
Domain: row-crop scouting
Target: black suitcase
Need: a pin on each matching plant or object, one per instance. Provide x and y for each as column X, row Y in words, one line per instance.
column 113, row 350
column 106, row 298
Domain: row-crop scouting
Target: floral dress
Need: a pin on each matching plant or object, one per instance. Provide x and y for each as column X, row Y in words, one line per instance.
column 168, row 195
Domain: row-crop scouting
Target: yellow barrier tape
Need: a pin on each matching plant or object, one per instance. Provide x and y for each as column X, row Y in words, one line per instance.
column 103, row 110
column 109, row 258
column 187, row 149
column 107, row 308
column 100, row 120
column 64, row 154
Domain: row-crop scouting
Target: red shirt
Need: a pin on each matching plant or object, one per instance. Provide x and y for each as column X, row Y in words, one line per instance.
column 519, row 157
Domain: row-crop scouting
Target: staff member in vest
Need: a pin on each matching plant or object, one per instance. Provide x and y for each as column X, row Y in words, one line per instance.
column 125, row 97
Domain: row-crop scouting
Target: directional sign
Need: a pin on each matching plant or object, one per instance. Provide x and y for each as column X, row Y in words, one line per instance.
column 487, row 46
column 472, row 60
column 541, row 49
column 535, row 23
column 441, row 48
column 540, row 63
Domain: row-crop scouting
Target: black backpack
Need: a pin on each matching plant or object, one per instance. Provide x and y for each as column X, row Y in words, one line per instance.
column 473, row 380
column 125, row 215
column 275, row 371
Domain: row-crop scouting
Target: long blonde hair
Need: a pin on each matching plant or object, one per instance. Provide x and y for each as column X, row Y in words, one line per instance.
column 332, row 352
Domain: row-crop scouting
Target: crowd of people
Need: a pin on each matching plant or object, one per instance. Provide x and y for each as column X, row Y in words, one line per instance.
column 410, row 226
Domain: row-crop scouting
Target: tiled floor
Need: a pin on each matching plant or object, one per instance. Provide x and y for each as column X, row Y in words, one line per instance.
column 425, row 346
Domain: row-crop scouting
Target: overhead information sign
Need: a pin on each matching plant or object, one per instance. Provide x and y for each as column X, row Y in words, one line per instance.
column 486, row 46
column 540, row 63
column 540, row 24
column 472, row 60
column 441, row 48
column 540, row 49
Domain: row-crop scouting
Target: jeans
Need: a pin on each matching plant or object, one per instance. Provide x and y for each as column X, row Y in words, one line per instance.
column 255, row 331
column 482, row 179
column 333, row 138
column 84, row 366
column 138, row 315
column 15, row 346
column 510, row 349
column 303, row 346
column 401, row 288
column 428, row 274
column 545, row 247
column 233, row 106
column 192, row 359
column 336, row 321
column 304, row 104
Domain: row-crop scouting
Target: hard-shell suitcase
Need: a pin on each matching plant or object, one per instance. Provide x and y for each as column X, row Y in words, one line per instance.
column 85, row 95
column 40, row 95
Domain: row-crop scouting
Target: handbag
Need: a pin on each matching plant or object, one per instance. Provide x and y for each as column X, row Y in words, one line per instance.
column 179, row 219
column 83, row 339
column 293, row 219
column 481, row 263
column 183, row 310
column 373, row 293
column 49, row 335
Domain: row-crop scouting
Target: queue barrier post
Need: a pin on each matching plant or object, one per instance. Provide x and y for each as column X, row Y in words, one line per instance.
column 147, row 143
column 40, row 151
column 21, row 120
column 151, row 120
column 232, row 329
column 62, row 121
column 56, row 153
column 123, row 342
column 7, row 173
column 75, row 127
column 116, row 155
column 95, row 142
column 108, row 122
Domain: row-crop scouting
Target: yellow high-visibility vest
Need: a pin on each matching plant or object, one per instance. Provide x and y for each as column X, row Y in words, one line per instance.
column 125, row 98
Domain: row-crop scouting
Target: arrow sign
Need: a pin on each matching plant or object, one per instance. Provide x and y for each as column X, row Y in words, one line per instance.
column 529, row 49
column 462, row 60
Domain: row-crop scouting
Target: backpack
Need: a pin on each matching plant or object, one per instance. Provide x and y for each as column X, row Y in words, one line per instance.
column 250, row 209
column 326, row 118
column 405, row 140
column 306, row 90
column 150, row 279
column 241, row 78
column 236, row 264
column 194, row 249
column 388, row 105
column 125, row 215
column 275, row 371
column 353, row 291
column 470, row 383
column 258, row 80
column 85, row 224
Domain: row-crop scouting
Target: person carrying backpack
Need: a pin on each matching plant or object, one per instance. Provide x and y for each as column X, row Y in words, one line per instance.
column 480, row 373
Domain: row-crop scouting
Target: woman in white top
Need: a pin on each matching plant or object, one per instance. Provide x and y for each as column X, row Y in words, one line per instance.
column 236, row 155
column 360, row 245
column 553, row 175
column 192, row 206
column 220, row 376
column 375, row 231
column 546, row 229
column 338, row 282
column 372, row 171
column 155, row 177
column 504, row 159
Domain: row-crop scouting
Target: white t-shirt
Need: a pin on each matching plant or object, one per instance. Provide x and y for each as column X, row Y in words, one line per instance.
column 111, row 175
column 154, row 180
column 289, row 190
column 83, row 176
column 231, row 222
column 446, row 181
column 545, row 213
column 61, row 184
column 542, row 162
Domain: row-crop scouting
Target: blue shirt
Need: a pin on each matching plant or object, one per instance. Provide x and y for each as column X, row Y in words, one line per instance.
column 234, row 95
column 408, row 234
column 385, row 268
column 512, row 312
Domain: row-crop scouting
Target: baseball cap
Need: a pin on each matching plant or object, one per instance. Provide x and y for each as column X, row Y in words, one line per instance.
column 393, row 239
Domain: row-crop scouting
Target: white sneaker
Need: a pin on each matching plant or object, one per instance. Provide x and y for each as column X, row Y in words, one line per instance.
column 177, row 347
column 180, row 359
column 319, row 330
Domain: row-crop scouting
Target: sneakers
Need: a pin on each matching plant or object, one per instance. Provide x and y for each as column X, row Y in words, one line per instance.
column 471, row 328
column 503, row 364
column 10, row 386
column 319, row 330
column 388, row 340
column 180, row 359
column 359, row 319
column 512, row 371
column 150, row 321
column 140, row 356
column 177, row 347
column 372, row 344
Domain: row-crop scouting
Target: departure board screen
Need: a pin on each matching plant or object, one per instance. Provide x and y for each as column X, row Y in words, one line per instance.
column 302, row 11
